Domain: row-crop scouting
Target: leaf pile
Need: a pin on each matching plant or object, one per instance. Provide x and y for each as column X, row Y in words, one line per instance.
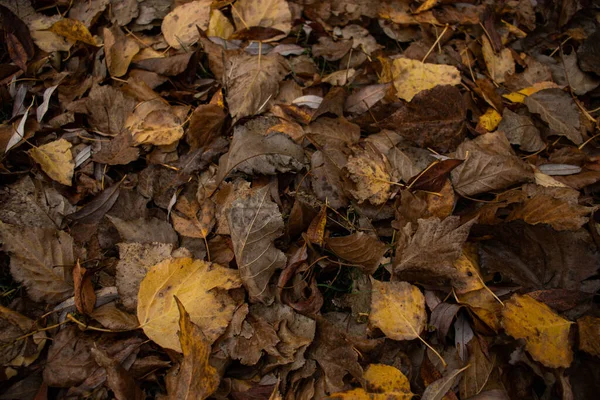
column 291, row 199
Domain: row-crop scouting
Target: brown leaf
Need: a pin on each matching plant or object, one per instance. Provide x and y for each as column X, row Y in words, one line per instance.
column 19, row 350
column 316, row 230
column 85, row 297
column 142, row 230
column 326, row 177
column 206, row 123
column 197, row 220
column 359, row 248
column 95, row 210
column 119, row 151
column 333, row 132
column 41, row 259
column 112, row 317
column 491, row 165
column 365, row 98
column 442, row 317
column 588, row 53
column 589, row 335
column 257, row 33
column 558, row 110
column 331, row 50
column 437, row 389
column 520, row 130
column 252, row 153
column 196, row 378
column 434, row 177
column 251, row 82
column 168, row 66
column 498, row 65
column 434, row 118
column 107, row 109
column 179, row 26
column 255, row 222
column 368, row 174
column 579, row 81
column 160, row 127
column 119, row 380
column 476, row 377
column 119, row 50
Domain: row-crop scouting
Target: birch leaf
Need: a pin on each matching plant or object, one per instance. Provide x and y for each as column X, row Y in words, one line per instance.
column 56, row 160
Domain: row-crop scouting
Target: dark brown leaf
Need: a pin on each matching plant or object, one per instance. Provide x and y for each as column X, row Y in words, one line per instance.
column 95, row 210
column 206, row 123
column 359, row 248
column 520, row 130
column 118, row 378
column 434, row 177
column 559, row 111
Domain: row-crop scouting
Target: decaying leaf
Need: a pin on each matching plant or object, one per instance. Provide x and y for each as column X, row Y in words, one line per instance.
column 498, row 65
column 398, row 309
column 255, row 222
column 85, row 297
column 159, row 127
column 437, row 389
column 17, row 350
column 74, row 30
column 411, row 77
column 368, row 172
column 559, row 111
column 56, row 160
column 41, row 259
column 119, row 50
column 196, row 378
column 546, row 334
column 520, row 130
column 200, row 286
column 359, row 248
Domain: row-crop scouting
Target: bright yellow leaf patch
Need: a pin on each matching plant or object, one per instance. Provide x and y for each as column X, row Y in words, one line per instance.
column 383, row 382
column 412, row 76
column 74, row 30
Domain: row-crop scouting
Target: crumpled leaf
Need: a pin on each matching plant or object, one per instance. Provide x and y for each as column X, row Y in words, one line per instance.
column 411, row 77
column 558, row 110
column 491, row 165
column 434, row 118
column 273, row 14
column 383, row 382
column 546, row 334
column 56, row 160
column 369, row 176
column 252, row 153
column 41, row 259
column 398, row 309
column 194, row 283
column 196, row 378
column 520, row 130
column 179, row 26
column 255, row 222
column 251, row 82
column 359, row 248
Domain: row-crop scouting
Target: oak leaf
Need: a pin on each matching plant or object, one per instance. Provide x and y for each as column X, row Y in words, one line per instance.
column 255, row 222
column 411, row 77
column 56, row 160
column 179, row 26
column 398, row 309
column 196, row 378
column 200, row 286
column 546, row 334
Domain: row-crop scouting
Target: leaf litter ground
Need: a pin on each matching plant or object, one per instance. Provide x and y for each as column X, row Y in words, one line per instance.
column 299, row 200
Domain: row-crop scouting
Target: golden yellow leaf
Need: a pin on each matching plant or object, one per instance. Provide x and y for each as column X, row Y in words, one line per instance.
column 273, row 14
column 398, row 309
column 56, row 160
column 498, row 65
column 201, row 287
column 467, row 266
column 521, row 95
column 412, row 76
column 196, row 378
column 160, row 127
column 484, row 305
column 383, row 382
column 74, row 30
column 427, row 5
column 546, row 334
column 219, row 25
column 119, row 51
column 179, row 26
column 490, row 120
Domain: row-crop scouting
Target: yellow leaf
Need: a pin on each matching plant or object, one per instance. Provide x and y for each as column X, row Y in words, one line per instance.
column 179, row 26
column 56, row 160
column 468, row 271
column 546, row 334
column 412, row 77
column 219, row 25
column 273, row 14
column 74, row 30
column 490, row 120
column 201, row 287
column 196, row 378
column 498, row 65
column 383, row 382
column 484, row 305
column 119, row 51
column 160, row 127
column 519, row 97
column 427, row 5
column 369, row 173
column 398, row 309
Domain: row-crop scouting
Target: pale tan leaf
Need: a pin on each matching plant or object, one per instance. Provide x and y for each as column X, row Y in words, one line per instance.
column 219, row 25
column 159, row 127
column 559, row 110
column 119, row 50
column 438, row 389
column 56, row 160
column 179, row 26
column 200, row 286
column 273, row 14
column 369, row 175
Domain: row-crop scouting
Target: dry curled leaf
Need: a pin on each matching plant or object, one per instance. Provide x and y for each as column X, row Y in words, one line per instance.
column 194, row 282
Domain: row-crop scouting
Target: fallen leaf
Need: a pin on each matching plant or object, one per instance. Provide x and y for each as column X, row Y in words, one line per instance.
column 95, row 210
column 520, row 130
column 331, row 50
column 193, row 282
column 168, row 66
column 476, row 377
column 434, row 177
column 144, row 230
column 437, row 389
column 545, row 333
column 119, row 51
column 579, row 81
column 196, row 378
column 316, row 230
column 589, row 333
column 19, row 349
column 119, row 151
column 412, row 77
column 363, row 99
column 434, row 118
column 56, row 160
column 107, row 109
column 489, row 121
column 265, row 13
column 491, row 164
column 498, row 65
column 398, row 309
column 219, row 25
column 179, row 26
column 85, row 297
column 41, row 259
column 206, row 123
column 558, row 110
column 333, row 132
column 255, row 222
column 196, row 220
column 118, row 378
column 588, row 53
column 159, row 127
column 74, row 30
column 251, row 82
column 326, row 177
column 359, row 248
column 368, row 173
column 112, row 317
column 522, row 94
column 383, row 382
